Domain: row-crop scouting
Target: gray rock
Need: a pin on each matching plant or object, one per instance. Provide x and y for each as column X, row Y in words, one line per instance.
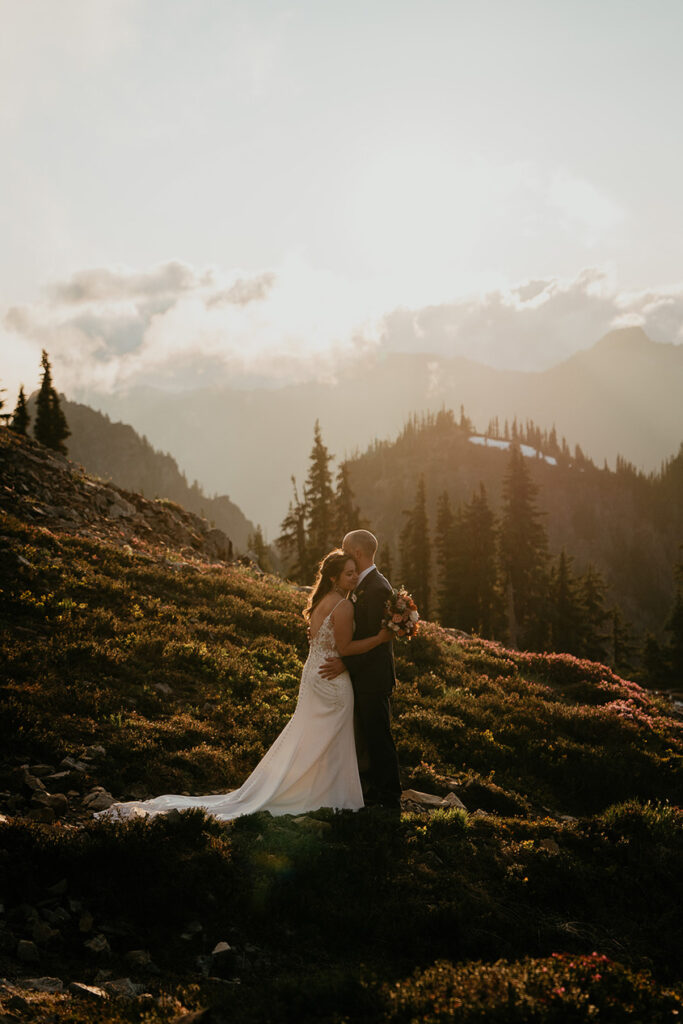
column 71, row 763
column 217, row 544
column 98, row 799
column 414, row 796
column 121, row 509
column 27, row 952
column 138, row 959
column 550, row 845
column 91, row 992
column 44, row 984
column 44, row 935
column 98, row 945
column 452, row 800
column 122, row 988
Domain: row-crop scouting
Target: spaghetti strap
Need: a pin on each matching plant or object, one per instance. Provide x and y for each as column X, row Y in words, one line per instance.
column 327, row 617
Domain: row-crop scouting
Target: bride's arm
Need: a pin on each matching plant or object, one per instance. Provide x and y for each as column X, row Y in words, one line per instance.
column 342, row 623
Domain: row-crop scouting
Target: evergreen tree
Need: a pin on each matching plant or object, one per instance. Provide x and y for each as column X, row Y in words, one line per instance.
column 319, row 500
column 416, row 550
column 385, row 562
column 50, row 427
column 20, row 418
column 3, row 415
column 623, row 647
column 479, row 599
column 447, row 580
column 654, row 662
column 523, row 549
column 594, row 636
column 674, row 626
column 566, row 611
column 292, row 542
column 346, row 512
column 257, row 546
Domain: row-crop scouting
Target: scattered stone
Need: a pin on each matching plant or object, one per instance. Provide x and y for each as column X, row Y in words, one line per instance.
column 453, row 800
column 30, row 781
column 480, row 814
column 57, row 916
column 27, row 952
column 4, row 820
column 92, row 992
column 99, row 945
column 309, row 824
column 96, row 750
column 51, row 985
column 550, row 845
column 44, row 814
column 122, row 988
column 76, row 766
column 41, row 770
column 138, row 959
column 121, row 509
column 43, row 934
column 192, row 929
column 163, row 688
column 414, row 796
column 98, row 799
column 86, row 922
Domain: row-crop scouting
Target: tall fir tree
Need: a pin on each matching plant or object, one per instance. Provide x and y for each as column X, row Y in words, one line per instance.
column 594, row 633
column 446, row 548
column 50, row 427
column 293, row 542
column 674, row 627
column 319, row 500
column 385, row 561
column 623, row 646
column 415, row 550
column 565, row 607
column 523, row 549
column 346, row 512
column 20, row 417
column 257, row 546
column 480, row 609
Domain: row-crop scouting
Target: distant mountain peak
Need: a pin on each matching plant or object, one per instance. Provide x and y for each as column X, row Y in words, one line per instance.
column 625, row 337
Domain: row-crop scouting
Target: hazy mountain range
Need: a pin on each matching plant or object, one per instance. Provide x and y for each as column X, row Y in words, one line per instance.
column 116, row 452
column 622, row 396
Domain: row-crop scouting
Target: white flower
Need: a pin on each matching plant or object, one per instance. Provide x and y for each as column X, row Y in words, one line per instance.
column 414, row 616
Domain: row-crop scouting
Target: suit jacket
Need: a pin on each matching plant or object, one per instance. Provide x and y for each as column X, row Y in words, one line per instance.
column 373, row 672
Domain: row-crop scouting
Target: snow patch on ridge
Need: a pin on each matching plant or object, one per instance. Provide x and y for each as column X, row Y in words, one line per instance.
column 526, row 449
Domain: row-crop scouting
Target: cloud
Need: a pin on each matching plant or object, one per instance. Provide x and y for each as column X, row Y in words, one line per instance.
column 179, row 326
column 102, row 283
column 536, row 323
column 243, row 291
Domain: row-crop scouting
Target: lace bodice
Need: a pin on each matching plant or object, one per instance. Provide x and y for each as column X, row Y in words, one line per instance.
column 322, row 644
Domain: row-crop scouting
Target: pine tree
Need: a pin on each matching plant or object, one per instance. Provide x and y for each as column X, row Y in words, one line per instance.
column 416, row 550
column 257, row 546
column 346, row 513
column 319, row 500
column 674, row 626
column 623, row 647
column 50, row 427
column 594, row 635
column 292, row 542
column 20, row 418
column 480, row 607
column 523, row 549
column 447, row 580
column 385, row 562
column 566, row 611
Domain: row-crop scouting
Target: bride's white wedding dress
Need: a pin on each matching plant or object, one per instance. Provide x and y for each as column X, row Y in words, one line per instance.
column 311, row 764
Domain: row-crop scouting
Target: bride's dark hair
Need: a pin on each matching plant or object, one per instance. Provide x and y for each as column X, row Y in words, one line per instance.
column 329, row 570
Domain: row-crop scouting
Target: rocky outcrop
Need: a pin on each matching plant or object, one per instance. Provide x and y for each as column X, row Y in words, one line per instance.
column 40, row 486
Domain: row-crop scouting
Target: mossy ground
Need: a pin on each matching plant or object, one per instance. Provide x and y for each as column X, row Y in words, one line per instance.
column 445, row 916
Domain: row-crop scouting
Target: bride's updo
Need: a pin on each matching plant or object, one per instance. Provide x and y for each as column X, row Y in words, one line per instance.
column 329, row 570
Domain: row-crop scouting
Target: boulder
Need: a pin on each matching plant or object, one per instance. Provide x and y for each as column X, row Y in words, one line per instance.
column 98, row 945
column 51, row 985
column 122, row 988
column 91, row 992
column 452, row 800
column 550, row 845
column 98, row 799
column 414, row 796
column 27, row 952
column 218, row 545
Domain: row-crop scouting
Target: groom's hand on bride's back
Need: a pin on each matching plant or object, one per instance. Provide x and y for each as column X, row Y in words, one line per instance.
column 331, row 668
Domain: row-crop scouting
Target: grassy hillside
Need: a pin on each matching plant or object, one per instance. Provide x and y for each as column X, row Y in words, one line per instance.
column 553, row 897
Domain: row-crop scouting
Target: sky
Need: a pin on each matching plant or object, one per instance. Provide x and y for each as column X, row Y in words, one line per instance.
column 244, row 192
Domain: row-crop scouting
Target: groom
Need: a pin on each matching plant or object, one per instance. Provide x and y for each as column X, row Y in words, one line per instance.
column 373, row 676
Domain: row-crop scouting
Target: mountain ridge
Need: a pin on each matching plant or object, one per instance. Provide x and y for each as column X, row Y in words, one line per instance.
column 626, row 405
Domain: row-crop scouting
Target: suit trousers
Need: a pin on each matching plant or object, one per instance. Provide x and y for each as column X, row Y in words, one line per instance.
column 377, row 757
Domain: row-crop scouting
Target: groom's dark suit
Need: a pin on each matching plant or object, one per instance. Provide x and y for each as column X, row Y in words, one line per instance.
column 373, row 676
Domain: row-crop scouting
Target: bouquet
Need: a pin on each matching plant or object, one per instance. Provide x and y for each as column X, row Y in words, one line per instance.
column 401, row 615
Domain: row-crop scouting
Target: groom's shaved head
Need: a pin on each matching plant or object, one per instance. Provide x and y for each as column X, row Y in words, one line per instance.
column 360, row 540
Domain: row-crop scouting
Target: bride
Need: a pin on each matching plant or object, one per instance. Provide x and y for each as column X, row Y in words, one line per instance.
column 312, row 763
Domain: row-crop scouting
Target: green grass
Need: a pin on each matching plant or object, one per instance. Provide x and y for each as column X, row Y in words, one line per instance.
column 355, row 918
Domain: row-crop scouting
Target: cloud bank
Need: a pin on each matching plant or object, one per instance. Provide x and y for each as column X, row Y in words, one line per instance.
column 177, row 326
